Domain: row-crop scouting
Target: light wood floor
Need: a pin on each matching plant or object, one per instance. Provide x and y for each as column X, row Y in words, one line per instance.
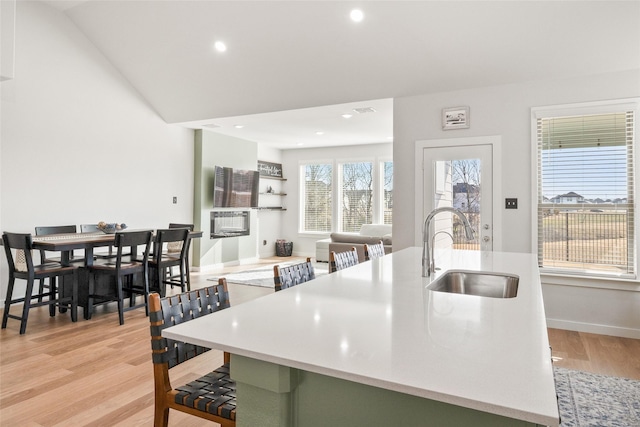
column 97, row 373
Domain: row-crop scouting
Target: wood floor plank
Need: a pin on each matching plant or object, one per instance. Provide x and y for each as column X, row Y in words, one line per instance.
column 98, row 373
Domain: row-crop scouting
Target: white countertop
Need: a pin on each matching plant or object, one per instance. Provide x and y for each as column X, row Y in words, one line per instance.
column 376, row 324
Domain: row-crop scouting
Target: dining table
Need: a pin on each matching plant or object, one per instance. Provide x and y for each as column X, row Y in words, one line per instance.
column 66, row 243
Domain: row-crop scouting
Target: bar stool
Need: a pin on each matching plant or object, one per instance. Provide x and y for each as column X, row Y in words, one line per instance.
column 342, row 260
column 373, row 251
column 175, row 248
column 19, row 251
column 292, row 275
column 162, row 259
column 123, row 266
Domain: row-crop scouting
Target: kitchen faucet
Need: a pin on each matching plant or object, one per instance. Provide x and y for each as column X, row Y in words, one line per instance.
column 428, row 262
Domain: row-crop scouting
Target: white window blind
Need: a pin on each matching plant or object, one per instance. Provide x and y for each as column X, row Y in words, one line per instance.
column 356, row 195
column 586, row 193
column 317, row 211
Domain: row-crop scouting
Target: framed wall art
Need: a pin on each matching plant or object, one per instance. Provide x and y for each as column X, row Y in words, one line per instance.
column 455, row 118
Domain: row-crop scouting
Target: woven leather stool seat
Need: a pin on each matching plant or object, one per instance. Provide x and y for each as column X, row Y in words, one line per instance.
column 214, row 393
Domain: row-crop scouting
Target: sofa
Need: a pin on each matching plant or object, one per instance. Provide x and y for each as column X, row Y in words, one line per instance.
column 340, row 242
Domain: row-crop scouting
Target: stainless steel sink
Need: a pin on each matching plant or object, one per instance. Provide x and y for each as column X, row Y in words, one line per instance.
column 484, row 284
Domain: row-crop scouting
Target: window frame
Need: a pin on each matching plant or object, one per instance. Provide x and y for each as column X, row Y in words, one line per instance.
column 336, row 185
column 302, row 195
column 588, row 108
column 340, row 189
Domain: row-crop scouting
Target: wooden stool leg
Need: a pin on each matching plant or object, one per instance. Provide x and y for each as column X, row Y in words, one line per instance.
column 89, row 309
column 41, row 290
column 52, row 296
column 120, row 300
column 7, row 301
column 74, row 297
column 145, row 284
column 26, row 306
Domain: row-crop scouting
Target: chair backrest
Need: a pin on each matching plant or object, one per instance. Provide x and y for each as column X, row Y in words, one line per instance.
column 56, row 229
column 133, row 239
column 291, row 275
column 89, row 228
column 342, row 260
column 166, row 237
column 176, row 309
column 373, row 251
column 21, row 243
column 174, row 247
column 53, row 229
column 187, row 226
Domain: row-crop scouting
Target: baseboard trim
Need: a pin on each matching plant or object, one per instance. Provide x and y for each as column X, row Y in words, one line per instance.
column 593, row 328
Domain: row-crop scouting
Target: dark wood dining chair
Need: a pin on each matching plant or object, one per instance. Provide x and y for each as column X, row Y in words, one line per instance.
column 93, row 228
column 211, row 396
column 19, row 251
column 292, row 275
column 162, row 260
column 123, row 268
column 55, row 229
column 45, row 257
column 373, row 251
column 175, row 247
column 342, row 260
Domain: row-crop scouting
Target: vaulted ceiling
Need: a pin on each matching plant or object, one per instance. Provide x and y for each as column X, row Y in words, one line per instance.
column 287, row 60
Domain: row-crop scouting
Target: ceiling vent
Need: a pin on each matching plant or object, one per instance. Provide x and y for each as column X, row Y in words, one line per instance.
column 211, row 125
column 364, row 110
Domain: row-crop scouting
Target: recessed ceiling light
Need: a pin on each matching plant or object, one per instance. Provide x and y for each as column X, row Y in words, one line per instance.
column 238, row 126
column 390, row 138
column 347, row 115
column 356, row 15
column 300, row 144
column 220, row 46
column 319, row 133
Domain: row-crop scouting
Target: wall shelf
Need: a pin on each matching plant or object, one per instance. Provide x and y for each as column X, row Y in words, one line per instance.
column 271, row 208
column 272, row 192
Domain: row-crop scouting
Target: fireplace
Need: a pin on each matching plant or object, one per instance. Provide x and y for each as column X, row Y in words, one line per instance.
column 229, row 224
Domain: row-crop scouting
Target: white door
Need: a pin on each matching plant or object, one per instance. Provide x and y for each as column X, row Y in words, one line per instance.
column 460, row 176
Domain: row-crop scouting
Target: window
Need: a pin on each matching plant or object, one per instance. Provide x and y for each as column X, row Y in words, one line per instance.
column 317, row 191
column 341, row 196
column 387, row 197
column 356, row 195
column 585, row 197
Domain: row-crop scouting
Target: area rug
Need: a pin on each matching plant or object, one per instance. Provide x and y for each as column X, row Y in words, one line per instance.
column 591, row 400
column 263, row 276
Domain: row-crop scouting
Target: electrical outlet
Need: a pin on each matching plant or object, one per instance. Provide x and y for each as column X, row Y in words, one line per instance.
column 175, row 200
column 511, row 203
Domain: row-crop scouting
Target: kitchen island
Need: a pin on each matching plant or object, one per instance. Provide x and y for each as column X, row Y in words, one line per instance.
column 371, row 345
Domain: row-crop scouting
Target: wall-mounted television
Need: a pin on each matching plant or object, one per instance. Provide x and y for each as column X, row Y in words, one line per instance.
column 235, row 188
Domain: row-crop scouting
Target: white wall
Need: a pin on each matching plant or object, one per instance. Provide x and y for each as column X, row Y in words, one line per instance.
column 506, row 111
column 79, row 144
column 304, row 243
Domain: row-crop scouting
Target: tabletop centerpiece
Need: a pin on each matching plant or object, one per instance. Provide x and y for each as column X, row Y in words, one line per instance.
column 111, row 227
